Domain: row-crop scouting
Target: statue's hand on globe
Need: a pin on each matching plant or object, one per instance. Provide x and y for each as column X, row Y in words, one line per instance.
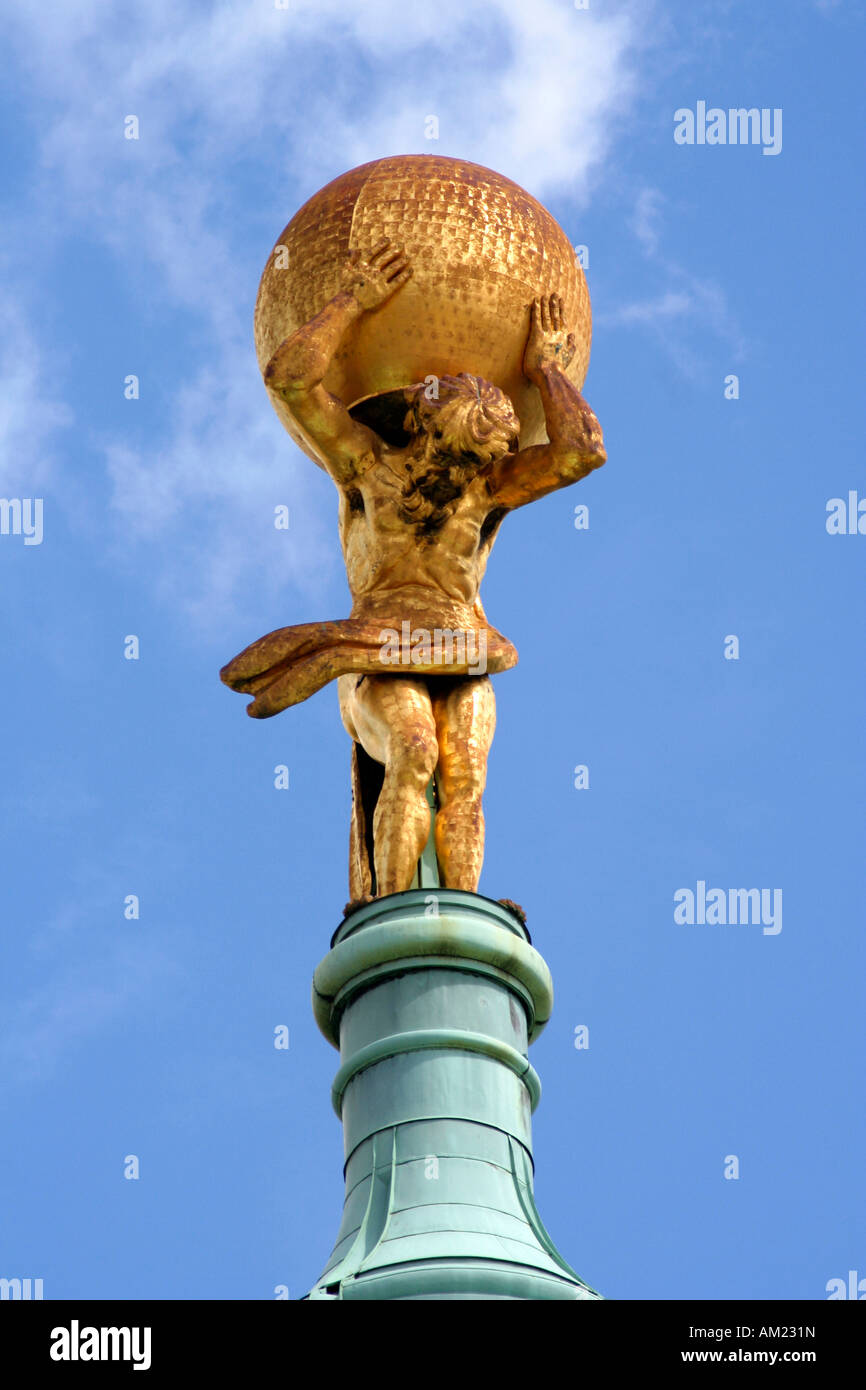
column 549, row 344
column 374, row 280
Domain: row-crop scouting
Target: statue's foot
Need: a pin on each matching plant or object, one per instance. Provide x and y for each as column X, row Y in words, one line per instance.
column 357, row 903
column 515, row 908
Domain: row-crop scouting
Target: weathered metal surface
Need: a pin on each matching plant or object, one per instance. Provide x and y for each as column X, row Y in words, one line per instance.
column 433, row 1015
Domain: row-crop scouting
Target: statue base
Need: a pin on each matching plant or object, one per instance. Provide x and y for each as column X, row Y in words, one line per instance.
column 432, row 997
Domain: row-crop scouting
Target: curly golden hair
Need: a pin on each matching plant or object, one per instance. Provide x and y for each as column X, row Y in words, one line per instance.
column 471, row 423
column 473, row 419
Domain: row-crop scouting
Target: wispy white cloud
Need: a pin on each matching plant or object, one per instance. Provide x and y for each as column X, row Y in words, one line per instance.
column 682, row 307
column 646, row 218
column 30, row 411
column 664, row 307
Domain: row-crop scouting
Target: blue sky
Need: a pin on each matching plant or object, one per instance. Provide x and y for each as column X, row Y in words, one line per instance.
column 154, row 1036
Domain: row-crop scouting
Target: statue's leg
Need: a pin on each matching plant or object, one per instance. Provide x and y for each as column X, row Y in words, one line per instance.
column 392, row 718
column 464, row 711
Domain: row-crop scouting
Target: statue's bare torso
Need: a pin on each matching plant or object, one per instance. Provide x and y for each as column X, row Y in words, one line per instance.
column 391, row 559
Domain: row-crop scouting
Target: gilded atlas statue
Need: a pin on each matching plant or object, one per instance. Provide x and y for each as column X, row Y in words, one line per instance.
column 423, row 329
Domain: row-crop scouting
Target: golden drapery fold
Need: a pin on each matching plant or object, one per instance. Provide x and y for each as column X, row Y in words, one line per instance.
column 289, row 665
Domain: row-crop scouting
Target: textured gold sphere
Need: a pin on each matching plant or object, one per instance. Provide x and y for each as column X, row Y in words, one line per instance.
column 481, row 248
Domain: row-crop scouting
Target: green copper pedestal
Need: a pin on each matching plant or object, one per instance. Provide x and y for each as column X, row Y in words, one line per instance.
column 432, row 997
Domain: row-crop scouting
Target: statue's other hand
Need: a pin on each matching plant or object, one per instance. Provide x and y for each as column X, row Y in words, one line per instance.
column 549, row 343
column 375, row 279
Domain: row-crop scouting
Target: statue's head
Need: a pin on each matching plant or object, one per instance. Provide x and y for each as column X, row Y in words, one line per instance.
column 463, row 418
column 460, row 426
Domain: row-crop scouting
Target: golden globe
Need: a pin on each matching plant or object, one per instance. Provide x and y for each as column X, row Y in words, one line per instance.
column 481, row 248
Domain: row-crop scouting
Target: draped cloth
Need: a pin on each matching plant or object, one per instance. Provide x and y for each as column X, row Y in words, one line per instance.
column 292, row 663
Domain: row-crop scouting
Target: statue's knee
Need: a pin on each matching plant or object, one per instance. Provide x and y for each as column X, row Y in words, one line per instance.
column 414, row 759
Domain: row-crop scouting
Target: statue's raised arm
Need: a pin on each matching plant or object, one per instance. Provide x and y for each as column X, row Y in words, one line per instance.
column 576, row 446
column 298, row 367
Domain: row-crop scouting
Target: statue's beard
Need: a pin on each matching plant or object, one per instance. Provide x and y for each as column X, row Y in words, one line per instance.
column 430, row 498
